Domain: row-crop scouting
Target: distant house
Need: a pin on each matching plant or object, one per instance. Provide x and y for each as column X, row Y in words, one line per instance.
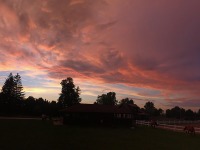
column 88, row 114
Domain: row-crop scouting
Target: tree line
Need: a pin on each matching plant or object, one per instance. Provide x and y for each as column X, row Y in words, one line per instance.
column 13, row 101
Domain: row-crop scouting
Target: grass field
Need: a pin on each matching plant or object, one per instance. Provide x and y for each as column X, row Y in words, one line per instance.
column 39, row 135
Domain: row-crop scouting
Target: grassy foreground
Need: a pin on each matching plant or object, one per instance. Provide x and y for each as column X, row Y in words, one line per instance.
column 39, row 135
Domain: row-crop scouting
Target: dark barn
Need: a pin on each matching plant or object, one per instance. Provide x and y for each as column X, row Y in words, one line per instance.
column 104, row 115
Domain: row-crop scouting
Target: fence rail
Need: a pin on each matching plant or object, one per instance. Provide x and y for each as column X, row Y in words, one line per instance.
column 177, row 126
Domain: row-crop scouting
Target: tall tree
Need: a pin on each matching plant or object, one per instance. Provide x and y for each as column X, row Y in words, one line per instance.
column 13, row 87
column 70, row 94
column 19, row 94
column 107, row 99
column 10, row 103
column 12, row 94
column 8, row 88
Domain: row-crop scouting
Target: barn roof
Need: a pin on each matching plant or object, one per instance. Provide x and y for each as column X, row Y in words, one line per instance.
column 97, row 108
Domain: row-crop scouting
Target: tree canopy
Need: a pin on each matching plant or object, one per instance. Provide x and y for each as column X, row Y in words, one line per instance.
column 18, row 87
column 9, row 86
column 149, row 108
column 12, row 93
column 126, row 101
column 107, row 99
column 152, row 110
column 13, row 88
column 70, row 94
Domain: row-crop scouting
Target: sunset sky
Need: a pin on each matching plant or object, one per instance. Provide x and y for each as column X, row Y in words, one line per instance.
column 148, row 50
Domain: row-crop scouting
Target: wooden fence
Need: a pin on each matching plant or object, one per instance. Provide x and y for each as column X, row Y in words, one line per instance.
column 177, row 126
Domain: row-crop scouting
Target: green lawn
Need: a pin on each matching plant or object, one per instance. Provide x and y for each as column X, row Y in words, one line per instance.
column 39, row 135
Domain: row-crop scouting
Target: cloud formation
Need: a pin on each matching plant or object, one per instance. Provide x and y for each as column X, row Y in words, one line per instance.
column 141, row 44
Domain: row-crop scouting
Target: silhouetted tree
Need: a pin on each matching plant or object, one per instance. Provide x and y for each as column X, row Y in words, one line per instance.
column 41, row 106
column 29, row 105
column 13, row 88
column 37, row 107
column 168, row 113
column 31, row 99
column 10, row 101
column 158, row 112
column 9, row 86
column 19, row 94
column 69, row 95
column 175, row 112
column 189, row 114
column 53, row 109
column 149, row 108
column 126, row 101
column 107, row 99
column 2, row 103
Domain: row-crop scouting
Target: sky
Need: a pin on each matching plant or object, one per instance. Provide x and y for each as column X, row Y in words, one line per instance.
column 140, row 49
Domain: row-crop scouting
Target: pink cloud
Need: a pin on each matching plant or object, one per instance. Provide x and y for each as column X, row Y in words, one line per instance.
column 145, row 44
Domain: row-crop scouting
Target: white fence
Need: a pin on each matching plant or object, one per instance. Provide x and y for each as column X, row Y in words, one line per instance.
column 177, row 126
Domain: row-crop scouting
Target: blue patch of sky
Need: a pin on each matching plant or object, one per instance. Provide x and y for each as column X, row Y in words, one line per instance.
column 36, row 81
column 136, row 89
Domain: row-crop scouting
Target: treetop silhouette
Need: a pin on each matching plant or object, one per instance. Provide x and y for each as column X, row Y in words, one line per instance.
column 70, row 94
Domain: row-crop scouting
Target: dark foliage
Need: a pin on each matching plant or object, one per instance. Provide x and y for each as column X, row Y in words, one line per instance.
column 19, row 94
column 70, row 95
column 181, row 113
column 37, row 107
column 150, row 109
column 12, row 101
column 107, row 99
column 126, row 101
column 12, row 94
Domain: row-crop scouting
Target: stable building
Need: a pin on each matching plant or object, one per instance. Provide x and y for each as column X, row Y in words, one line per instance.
column 105, row 115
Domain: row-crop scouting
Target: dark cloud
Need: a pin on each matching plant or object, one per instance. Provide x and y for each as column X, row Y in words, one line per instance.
column 82, row 66
column 161, row 37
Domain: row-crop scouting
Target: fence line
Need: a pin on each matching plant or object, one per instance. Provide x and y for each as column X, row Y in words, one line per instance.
column 168, row 125
column 178, row 122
